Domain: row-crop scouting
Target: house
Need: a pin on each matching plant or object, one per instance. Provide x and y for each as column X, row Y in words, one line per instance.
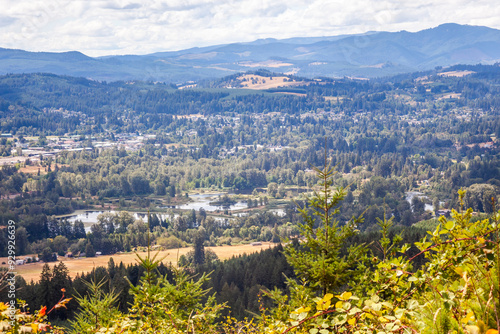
column 443, row 212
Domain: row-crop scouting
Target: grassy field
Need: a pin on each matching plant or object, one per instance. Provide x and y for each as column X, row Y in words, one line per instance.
column 253, row 81
column 32, row 271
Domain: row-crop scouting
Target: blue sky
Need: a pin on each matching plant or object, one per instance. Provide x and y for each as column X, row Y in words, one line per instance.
column 109, row 27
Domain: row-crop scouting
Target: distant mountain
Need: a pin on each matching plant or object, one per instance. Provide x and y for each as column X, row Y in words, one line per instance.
column 372, row 54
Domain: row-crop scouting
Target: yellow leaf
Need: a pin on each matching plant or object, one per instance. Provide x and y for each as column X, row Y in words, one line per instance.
column 3, row 307
column 469, row 317
column 328, row 296
column 62, row 303
column 351, row 321
column 491, row 331
column 339, row 304
column 382, row 319
column 345, row 296
column 34, row 328
column 302, row 310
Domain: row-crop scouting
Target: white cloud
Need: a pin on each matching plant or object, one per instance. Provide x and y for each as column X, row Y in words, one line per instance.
column 100, row 27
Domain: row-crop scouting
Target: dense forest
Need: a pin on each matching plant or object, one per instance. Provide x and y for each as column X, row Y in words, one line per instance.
column 402, row 148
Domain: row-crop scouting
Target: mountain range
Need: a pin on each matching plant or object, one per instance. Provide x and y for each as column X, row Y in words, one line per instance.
column 368, row 55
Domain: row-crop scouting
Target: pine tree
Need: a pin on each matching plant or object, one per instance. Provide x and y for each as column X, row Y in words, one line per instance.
column 320, row 257
column 97, row 309
column 44, row 285
column 199, row 247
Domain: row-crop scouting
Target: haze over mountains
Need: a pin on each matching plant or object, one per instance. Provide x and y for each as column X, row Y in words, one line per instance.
column 368, row 55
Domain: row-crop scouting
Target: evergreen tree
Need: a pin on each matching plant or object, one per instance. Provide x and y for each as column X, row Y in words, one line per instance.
column 97, row 309
column 199, row 247
column 79, row 230
column 321, row 258
column 44, row 286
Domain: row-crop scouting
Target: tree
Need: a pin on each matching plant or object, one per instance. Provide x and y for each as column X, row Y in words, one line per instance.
column 417, row 205
column 44, row 292
column 480, row 197
column 60, row 245
column 164, row 305
column 321, row 259
column 199, row 247
column 89, row 250
column 97, row 309
column 22, row 244
column 48, row 255
column 272, row 189
column 79, row 230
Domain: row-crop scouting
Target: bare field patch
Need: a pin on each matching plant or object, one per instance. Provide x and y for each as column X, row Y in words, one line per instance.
column 76, row 266
column 267, row 63
column 32, row 170
column 457, row 74
column 295, row 94
column 450, row 96
column 36, row 169
column 252, row 81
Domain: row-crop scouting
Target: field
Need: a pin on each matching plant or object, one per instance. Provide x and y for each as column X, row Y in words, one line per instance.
column 252, row 81
column 458, row 74
column 32, row 170
column 32, row 271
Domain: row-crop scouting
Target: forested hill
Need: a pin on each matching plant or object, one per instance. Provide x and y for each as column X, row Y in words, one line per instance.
column 32, row 103
column 373, row 54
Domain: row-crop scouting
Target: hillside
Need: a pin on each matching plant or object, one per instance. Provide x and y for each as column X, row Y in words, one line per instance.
column 368, row 55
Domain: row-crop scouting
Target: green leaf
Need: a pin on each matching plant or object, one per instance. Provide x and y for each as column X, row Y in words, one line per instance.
column 450, row 224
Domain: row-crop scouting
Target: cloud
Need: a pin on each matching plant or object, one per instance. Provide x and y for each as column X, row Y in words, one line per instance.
column 6, row 21
column 101, row 27
column 121, row 6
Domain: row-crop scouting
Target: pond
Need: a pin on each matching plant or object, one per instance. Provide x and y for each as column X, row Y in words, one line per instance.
column 411, row 194
column 89, row 218
column 197, row 201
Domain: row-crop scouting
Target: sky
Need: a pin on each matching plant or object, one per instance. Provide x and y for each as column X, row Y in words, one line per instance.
column 112, row 27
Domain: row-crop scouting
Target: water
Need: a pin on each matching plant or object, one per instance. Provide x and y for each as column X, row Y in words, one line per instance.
column 197, row 201
column 89, row 218
column 411, row 194
column 278, row 212
column 202, row 201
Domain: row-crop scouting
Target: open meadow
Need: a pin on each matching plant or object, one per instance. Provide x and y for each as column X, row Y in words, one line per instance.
column 78, row 265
